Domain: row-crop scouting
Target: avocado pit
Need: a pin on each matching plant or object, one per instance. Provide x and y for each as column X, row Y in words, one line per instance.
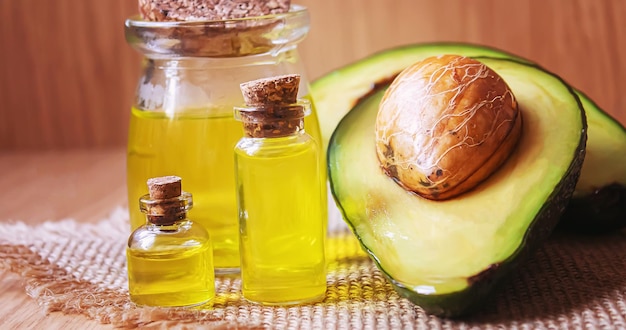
column 444, row 125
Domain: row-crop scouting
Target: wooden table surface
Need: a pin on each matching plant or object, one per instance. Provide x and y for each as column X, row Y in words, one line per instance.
column 51, row 103
column 83, row 185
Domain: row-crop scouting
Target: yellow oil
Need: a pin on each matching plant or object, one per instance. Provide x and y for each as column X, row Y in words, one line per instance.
column 170, row 272
column 282, row 219
column 197, row 145
column 198, row 148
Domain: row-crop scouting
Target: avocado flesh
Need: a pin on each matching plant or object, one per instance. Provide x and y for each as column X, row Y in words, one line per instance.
column 447, row 256
column 599, row 202
column 605, row 162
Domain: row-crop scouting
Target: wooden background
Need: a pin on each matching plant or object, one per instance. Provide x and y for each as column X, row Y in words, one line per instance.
column 67, row 75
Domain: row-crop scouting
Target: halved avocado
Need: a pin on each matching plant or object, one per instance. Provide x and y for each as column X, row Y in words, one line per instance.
column 447, row 256
column 599, row 203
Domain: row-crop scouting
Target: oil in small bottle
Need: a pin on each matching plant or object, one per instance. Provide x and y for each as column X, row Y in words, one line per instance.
column 280, row 200
column 170, row 258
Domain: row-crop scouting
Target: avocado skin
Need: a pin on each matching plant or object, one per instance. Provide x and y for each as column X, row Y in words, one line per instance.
column 482, row 285
column 600, row 212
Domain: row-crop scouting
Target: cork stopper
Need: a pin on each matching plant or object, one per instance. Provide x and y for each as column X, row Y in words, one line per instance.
column 165, row 187
column 166, row 203
column 278, row 90
column 272, row 108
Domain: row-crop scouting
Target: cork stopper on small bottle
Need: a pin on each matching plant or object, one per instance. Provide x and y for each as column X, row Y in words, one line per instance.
column 165, row 187
column 166, row 202
column 272, row 107
column 279, row 90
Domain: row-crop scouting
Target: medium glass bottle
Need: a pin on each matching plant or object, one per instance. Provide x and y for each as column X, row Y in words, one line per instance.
column 181, row 121
column 170, row 258
column 280, row 199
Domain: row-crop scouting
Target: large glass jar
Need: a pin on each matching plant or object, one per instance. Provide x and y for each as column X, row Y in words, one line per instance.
column 182, row 119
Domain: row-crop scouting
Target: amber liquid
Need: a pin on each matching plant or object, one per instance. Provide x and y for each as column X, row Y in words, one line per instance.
column 282, row 219
column 196, row 145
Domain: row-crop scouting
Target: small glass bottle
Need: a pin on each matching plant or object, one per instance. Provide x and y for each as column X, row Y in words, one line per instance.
column 170, row 258
column 280, row 199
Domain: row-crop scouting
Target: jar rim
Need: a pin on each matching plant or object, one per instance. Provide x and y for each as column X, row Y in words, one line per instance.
column 136, row 21
column 219, row 38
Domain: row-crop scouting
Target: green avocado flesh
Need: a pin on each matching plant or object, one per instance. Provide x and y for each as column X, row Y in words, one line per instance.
column 599, row 202
column 447, row 256
column 605, row 162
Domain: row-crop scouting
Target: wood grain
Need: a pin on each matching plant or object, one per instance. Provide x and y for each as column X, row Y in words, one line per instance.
column 582, row 41
column 54, row 185
column 86, row 185
column 67, row 75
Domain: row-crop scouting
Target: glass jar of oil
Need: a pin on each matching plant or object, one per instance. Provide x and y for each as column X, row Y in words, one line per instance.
column 181, row 121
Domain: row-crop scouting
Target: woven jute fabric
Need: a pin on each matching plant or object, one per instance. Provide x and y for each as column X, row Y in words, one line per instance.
column 571, row 282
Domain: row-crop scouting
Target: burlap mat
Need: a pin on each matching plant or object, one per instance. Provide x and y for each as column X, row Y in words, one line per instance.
column 571, row 282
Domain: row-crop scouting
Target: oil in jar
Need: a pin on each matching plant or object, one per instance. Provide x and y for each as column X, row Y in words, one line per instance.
column 281, row 202
column 196, row 145
column 170, row 258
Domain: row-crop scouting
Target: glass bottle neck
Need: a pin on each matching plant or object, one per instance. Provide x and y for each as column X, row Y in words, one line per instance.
column 166, row 220
column 270, row 131
column 166, row 212
column 273, row 120
column 275, row 146
column 279, row 139
column 168, row 227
